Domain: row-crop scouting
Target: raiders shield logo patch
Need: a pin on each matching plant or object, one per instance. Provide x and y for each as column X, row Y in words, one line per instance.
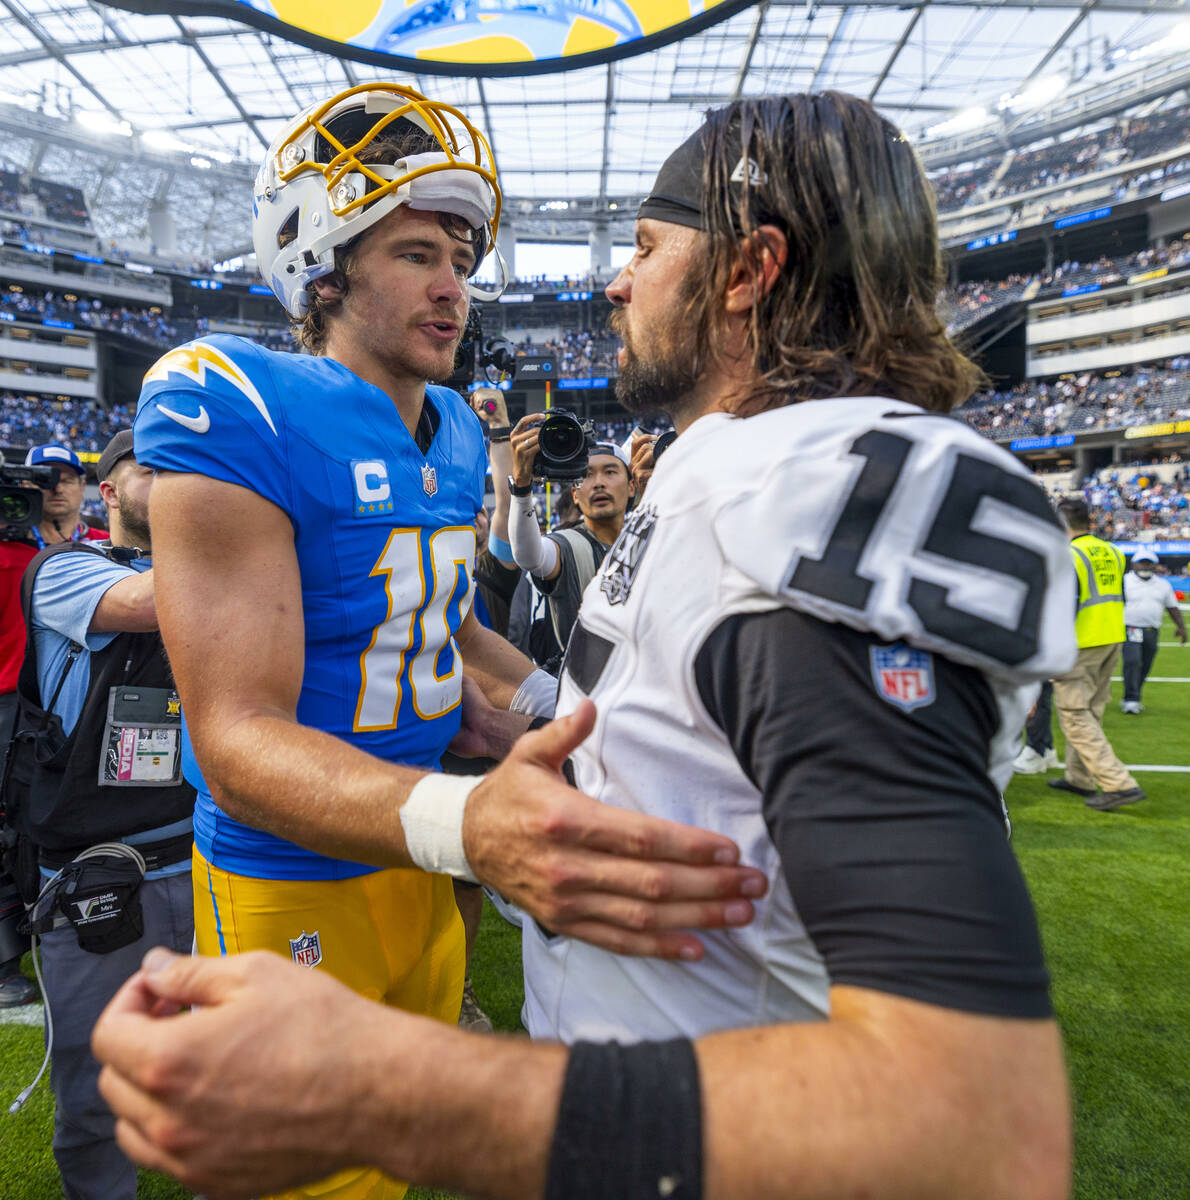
column 903, row 676
column 623, row 559
column 306, row 950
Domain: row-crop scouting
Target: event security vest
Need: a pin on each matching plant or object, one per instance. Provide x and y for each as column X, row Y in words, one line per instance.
column 1100, row 570
column 52, row 789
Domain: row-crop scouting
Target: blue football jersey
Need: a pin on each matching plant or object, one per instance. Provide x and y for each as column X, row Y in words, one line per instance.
column 385, row 544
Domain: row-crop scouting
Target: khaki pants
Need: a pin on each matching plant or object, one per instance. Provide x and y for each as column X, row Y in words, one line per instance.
column 1080, row 696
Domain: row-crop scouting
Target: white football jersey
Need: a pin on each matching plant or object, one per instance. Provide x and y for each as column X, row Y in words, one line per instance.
column 867, row 512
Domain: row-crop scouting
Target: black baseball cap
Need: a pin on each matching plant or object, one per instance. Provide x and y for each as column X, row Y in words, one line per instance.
column 119, row 447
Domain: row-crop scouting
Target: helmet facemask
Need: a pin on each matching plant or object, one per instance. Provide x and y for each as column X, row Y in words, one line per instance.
column 324, row 181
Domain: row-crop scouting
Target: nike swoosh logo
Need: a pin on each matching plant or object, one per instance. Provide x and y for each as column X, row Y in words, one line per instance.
column 199, row 424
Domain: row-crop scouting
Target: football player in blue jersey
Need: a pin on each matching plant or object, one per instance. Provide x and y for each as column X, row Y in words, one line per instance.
column 314, row 524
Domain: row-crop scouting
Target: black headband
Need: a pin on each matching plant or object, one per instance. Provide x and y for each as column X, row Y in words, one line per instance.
column 677, row 194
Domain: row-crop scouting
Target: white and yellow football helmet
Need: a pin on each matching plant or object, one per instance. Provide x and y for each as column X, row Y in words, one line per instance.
column 313, row 192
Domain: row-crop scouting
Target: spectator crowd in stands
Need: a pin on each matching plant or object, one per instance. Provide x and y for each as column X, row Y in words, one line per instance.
column 81, row 424
column 966, row 303
column 1135, row 504
column 1145, row 395
column 1125, row 139
column 145, row 324
column 581, row 353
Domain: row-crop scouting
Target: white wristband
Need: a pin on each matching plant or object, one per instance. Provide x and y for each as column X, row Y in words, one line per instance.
column 432, row 818
column 537, row 696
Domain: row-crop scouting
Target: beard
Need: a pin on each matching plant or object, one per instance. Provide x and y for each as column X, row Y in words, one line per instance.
column 663, row 381
column 659, row 385
column 134, row 524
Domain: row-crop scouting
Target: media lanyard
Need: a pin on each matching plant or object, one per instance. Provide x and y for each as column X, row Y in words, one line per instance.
column 79, row 531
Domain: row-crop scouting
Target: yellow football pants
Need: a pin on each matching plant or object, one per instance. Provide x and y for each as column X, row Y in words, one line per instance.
column 394, row 936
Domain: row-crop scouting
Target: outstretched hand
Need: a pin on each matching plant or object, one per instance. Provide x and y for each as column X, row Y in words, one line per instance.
column 484, row 730
column 196, row 1094
column 626, row 882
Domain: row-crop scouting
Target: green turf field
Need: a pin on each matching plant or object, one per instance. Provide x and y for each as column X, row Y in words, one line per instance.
column 1110, row 890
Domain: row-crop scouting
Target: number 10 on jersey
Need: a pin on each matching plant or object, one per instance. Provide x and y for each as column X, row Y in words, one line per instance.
column 406, row 648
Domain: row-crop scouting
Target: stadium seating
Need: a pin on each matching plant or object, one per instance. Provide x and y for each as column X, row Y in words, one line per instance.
column 1134, row 503
column 1114, row 401
column 145, row 324
column 80, row 424
column 1129, row 138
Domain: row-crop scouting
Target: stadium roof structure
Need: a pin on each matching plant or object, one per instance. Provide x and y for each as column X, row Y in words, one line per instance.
column 165, row 110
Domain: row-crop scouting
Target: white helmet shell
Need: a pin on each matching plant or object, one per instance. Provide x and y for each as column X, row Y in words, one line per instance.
column 316, row 190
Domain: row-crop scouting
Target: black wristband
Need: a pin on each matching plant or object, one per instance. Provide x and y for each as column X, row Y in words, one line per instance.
column 519, row 491
column 629, row 1124
column 500, row 433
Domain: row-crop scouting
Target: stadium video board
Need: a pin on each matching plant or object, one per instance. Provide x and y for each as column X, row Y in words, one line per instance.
column 468, row 37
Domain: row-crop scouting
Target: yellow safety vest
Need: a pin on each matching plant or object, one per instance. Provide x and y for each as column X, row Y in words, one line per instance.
column 1100, row 570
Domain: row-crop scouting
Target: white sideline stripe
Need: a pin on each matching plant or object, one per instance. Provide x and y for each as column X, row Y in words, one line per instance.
column 1157, row 679
column 1178, row 645
column 1142, row 767
column 25, row 1014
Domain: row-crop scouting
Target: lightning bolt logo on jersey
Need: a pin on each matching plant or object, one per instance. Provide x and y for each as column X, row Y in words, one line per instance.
column 385, row 563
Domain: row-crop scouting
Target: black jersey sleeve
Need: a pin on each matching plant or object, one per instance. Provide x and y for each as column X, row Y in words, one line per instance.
column 891, row 834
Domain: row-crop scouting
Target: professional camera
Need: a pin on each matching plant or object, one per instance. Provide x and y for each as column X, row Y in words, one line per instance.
column 20, row 507
column 564, row 447
column 495, row 357
column 663, row 443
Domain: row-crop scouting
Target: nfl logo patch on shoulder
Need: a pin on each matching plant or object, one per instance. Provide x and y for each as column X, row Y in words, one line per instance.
column 306, row 950
column 903, row 676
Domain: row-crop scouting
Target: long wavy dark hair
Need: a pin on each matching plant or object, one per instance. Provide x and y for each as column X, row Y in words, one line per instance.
column 853, row 311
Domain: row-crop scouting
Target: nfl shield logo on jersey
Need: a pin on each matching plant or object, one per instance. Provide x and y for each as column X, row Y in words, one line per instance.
column 306, row 950
column 903, row 676
column 623, row 559
column 429, row 480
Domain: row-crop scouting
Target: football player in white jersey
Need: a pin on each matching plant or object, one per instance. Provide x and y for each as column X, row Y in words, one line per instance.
column 814, row 636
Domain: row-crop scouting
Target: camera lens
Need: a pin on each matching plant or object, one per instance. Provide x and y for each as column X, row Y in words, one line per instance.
column 561, row 439
column 14, row 506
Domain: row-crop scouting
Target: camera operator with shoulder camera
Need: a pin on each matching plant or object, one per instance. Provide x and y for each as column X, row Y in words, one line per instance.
column 94, row 788
column 556, row 446
column 29, row 525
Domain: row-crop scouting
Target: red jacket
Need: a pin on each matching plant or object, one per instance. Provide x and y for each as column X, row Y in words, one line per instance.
column 14, row 558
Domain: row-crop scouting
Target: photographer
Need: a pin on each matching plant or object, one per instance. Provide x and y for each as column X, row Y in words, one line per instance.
column 60, row 522
column 97, row 759
column 496, row 573
column 566, row 560
column 644, row 450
